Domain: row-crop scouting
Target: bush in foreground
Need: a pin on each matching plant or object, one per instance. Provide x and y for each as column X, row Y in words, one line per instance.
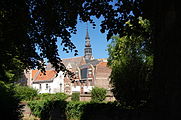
column 98, row 94
column 25, row 93
column 75, row 96
column 55, row 96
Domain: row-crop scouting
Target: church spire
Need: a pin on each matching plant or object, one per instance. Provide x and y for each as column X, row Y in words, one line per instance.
column 87, row 34
column 87, row 39
column 87, row 49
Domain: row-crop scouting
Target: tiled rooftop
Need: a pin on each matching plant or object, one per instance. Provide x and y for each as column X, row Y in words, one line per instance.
column 39, row 76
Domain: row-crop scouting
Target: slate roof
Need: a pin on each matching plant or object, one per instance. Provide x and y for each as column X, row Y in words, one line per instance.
column 92, row 62
column 74, row 62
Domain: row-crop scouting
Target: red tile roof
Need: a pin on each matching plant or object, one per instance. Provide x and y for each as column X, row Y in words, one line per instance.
column 39, row 76
column 34, row 73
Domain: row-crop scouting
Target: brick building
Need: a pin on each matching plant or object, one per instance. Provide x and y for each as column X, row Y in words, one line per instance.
column 89, row 72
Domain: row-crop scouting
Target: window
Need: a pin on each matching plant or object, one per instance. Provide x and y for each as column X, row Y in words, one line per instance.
column 60, row 87
column 90, row 71
column 76, row 74
column 40, row 86
column 84, row 73
column 46, row 86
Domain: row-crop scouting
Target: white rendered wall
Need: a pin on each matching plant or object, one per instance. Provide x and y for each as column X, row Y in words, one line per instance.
column 53, row 87
column 58, row 83
column 85, row 88
column 88, row 88
column 75, row 88
column 43, row 87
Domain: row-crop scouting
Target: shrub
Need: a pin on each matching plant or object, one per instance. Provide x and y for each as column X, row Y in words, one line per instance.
column 36, row 107
column 104, row 111
column 74, row 110
column 98, row 94
column 47, row 104
column 9, row 103
column 75, row 96
column 48, row 96
column 25, row 92
column 45, row 109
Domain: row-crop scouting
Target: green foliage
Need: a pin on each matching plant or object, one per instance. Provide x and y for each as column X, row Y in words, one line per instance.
column 36, row 107
column 75, row 96
column 10, row 104
column 104, row 111
column 39, row 23
column 25, row 92
column 112, row 111
column 131, row 60
column 11, row 72
column 74, row 110
column 98, row 94
column 55, row 96
column 45, row 104
column 45, row 108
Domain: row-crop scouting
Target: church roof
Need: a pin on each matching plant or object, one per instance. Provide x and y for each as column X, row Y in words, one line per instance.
column 74, row 62
column 93, row 62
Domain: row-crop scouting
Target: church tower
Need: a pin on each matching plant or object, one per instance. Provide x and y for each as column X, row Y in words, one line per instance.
column 87, row 50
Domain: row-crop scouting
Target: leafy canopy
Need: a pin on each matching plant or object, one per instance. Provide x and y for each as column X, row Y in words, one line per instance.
column 30, row 25
column 131, row 60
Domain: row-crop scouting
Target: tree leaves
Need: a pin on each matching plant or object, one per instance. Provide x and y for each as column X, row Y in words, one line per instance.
column 131, row 67
column 26, row 25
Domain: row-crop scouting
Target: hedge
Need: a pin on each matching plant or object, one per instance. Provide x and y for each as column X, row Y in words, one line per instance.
column 25, row 93
column 75, row 96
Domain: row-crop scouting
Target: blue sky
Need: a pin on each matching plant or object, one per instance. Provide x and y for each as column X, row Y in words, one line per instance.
column 98, row 41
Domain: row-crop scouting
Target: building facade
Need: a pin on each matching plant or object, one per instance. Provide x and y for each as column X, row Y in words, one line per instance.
column 51, row 82
column 89, row 72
